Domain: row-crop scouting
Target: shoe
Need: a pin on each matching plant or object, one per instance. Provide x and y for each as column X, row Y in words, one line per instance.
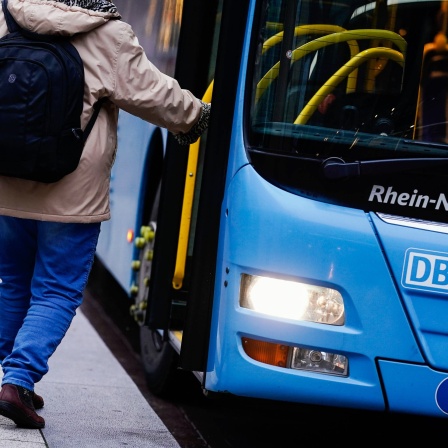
column 38, row 401
column 16, row 403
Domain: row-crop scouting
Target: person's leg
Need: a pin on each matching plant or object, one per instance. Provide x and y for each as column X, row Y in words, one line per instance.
column 62, row 265
column 18, row 243
column 64, row 258
column 17, row 254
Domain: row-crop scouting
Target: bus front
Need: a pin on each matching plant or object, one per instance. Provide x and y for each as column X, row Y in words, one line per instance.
column 332, row 275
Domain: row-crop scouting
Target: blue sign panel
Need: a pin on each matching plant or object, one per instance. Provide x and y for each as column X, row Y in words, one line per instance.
column 426, row 270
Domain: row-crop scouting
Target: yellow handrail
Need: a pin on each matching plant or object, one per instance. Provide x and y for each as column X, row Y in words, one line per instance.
column 302, row 30
column 349, row 36
column 342, row 73
column 187, row 205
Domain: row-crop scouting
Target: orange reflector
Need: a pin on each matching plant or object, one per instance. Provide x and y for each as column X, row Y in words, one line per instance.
column 130, row 236
column 266, row 352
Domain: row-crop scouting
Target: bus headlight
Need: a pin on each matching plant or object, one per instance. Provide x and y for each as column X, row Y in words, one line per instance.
column 292, row 300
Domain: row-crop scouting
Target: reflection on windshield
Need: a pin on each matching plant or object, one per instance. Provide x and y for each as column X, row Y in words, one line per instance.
column 372, row 75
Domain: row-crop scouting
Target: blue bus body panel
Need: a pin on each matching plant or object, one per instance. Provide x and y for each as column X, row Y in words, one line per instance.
column 127, row 179
column 415, row 388
column 419, row 262
column 314, row 243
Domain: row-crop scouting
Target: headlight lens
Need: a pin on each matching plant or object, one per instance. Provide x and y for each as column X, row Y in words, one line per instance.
column 292, row 300
column 295, row 357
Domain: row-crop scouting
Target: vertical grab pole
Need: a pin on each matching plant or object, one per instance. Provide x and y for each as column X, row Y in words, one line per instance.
column 187, row 205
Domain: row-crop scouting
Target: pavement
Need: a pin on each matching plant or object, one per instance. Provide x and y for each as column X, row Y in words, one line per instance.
column 90, row 401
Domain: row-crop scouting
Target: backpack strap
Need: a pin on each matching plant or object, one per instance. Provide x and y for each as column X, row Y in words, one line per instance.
column 96, row 110
column 10, row 22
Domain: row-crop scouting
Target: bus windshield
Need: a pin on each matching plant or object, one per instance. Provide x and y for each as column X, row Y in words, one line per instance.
column 351, row 80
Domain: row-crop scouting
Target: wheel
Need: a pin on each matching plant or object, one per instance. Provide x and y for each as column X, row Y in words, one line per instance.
column 159, row 361
column 158, row 357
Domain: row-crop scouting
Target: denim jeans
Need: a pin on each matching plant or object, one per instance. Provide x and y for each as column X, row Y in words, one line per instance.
column 44, row 267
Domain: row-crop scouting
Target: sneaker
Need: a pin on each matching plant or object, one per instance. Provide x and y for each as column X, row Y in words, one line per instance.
column 16, row 403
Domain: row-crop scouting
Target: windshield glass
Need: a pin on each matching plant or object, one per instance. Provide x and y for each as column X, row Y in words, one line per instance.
column 350, row 79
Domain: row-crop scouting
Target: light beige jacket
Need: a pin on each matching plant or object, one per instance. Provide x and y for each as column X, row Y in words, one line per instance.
column 117, row 67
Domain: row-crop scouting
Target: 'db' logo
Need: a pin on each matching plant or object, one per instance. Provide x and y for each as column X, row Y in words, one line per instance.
column 424, row 269
column 12, row 78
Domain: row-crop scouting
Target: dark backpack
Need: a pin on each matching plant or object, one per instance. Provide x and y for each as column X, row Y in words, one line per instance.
column 41, row 101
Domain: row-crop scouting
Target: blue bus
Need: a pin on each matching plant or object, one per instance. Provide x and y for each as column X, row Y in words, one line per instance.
column 299, row 250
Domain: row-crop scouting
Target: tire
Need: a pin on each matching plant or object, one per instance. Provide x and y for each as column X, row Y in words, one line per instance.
column 159, row 361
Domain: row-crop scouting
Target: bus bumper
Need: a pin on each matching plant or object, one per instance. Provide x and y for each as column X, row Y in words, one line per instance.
column 415, row 388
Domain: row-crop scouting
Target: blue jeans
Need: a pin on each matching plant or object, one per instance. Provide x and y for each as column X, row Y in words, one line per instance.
column 44, row 268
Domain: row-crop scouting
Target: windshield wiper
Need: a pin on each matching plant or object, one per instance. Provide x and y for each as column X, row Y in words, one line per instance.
column 335, row 168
